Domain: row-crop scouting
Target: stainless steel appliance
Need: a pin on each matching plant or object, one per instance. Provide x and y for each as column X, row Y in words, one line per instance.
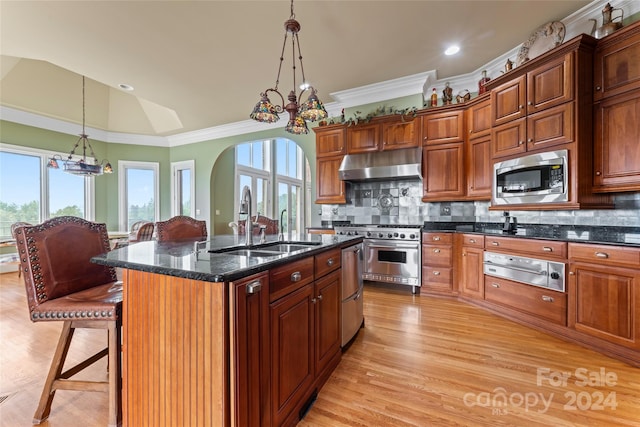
column 393, row 164
column 352, row 302
column 391, row 252
column 536, row 272
column 537, row 178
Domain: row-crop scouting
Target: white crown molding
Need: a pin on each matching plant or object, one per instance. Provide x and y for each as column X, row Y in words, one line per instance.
column 390, row 89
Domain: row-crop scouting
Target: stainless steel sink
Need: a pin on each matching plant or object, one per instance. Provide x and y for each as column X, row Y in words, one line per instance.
column 252, row 252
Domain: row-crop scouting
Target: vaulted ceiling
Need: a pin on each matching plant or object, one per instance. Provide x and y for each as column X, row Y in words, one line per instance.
column 200, row 64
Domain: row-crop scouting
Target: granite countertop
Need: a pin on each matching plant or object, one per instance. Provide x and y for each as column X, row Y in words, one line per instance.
column 623, row 236
column 180, row 259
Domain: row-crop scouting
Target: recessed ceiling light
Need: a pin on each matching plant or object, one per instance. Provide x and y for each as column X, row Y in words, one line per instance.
column 125, row 86
column 452, row 50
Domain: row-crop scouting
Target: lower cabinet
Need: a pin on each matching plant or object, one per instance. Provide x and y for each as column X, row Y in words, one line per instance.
column 305, row 337
column 604, row 293
column 539, row 302
column 250, row 362
column 471, row 266
column 437, row 263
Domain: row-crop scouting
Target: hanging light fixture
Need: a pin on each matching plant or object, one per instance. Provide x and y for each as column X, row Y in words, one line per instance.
column 311, row 110
column 81, row 167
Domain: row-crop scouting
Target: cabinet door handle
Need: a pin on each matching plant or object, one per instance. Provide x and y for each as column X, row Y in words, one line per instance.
column 571, row 273
column 319, row 297
column 495, row 285
column 521, row 106
column 529, row 103
column 530, row 140
column 254, row 287
column 597, row 173
column 464, row 254
column 437, row 251
column 437, row 238
column 520, row 142
column 547, row 298
column 436, row 273
column 602, row 255
column 295, row 277
column 547, row 249
column 313, row 300
column 495, row 243
column 598, row 88
column 330, row 262
column 472, row 240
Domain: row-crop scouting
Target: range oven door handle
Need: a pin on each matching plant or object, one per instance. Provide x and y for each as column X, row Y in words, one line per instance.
column 540, row 273
column 394, row 246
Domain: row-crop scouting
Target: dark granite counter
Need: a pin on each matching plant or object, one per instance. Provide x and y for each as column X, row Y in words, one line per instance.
column 180, row 259
column 623, row 236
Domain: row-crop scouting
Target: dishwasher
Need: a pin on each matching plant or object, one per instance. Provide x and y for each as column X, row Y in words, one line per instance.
column 351, row 292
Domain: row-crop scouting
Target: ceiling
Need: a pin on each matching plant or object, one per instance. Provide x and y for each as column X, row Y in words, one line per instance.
column 201, row 64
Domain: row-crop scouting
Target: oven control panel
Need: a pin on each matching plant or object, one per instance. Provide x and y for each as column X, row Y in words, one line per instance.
column 381, row 232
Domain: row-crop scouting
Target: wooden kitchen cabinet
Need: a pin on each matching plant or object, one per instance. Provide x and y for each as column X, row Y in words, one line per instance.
column 616, row 157
column 250, row 358
column 330, row 141
column 329, row 188
column 381, row 134
column 292, row 352
column 617, row 64
column 536, row 248
column 604, row 293
column 479, row 168
column 479, row 117
column 305, row 331
column 437, row 263
column 508, row 101
column 443, row 170
column 330, row 150
column 471, row 266
column 443, row 128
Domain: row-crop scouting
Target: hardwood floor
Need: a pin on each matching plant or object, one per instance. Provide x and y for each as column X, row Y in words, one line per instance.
column 419, row 361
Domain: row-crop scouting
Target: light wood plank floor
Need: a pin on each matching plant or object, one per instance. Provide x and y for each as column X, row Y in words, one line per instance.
column 419, row 361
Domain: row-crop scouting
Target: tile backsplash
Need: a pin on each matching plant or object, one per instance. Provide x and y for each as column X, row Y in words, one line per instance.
column 400, row 202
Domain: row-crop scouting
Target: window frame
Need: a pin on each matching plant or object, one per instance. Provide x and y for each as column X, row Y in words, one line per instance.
column 45, row 155
column 176, row 187
column 123, row 165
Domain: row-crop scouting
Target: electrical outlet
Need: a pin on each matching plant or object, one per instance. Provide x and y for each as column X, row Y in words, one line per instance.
column 445, row 210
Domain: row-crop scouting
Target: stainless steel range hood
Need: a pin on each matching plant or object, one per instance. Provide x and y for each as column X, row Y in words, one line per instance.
column 394, row 164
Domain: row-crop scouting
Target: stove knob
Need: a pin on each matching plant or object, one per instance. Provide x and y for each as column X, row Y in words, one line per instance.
column 380, row 235
column 412, row 236
column 395, row 234
column 555, row 276
column 402, row 236
column 368, row 234
column 389, row 235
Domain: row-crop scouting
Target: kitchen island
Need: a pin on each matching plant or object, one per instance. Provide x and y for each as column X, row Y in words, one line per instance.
column 215, row 338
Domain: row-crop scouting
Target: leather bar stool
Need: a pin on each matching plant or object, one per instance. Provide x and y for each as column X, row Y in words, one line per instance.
column 181, row 228
column 63, row 285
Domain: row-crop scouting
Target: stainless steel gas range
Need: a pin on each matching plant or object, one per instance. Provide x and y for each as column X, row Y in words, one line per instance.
column 391, row 252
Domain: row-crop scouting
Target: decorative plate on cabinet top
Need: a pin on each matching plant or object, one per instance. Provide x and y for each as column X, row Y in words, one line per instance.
column 542, row 40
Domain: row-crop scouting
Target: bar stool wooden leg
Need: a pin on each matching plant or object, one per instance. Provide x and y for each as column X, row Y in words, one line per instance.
column 48, row 392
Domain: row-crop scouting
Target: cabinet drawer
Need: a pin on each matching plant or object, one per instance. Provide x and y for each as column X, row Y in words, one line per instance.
column 473, row 240
column 433, row 255
column 544, row 248
column 437, row 275
column 289, row 277
column 437, row 238
column 605, row 254
column 546, row 304
column 327, row 261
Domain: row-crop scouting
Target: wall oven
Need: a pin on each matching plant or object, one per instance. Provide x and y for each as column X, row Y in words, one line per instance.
column 537, row 178
column 391, row 253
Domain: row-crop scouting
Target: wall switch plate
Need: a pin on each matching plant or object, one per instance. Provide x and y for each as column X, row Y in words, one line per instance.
column 197, row 211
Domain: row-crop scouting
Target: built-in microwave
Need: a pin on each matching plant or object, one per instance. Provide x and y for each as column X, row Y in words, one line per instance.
column 536, row 178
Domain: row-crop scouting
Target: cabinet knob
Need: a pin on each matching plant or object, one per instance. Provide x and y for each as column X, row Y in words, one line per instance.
column 464, row 254
column 472, row 240
column 597, row 173
column 330, row 262
column 520, row 142
column 437, row 251
column 598, row 88
column 319, row 297
column 313, row 300
column 254, row 287
column 530, row 140
column 436, row 273
column 546, row 298
column 529, row 103
column 521, row 106
column 602, row 255
column 436, row 238
column 571, row 273
column 295, row 277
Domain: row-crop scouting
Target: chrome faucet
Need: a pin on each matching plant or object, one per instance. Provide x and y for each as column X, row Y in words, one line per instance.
column 281, row 236
column 245, row 208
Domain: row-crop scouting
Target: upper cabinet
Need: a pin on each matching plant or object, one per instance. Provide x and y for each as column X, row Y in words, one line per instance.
column 330, row 150
column 443, row 127
column 522, row 115
column 330, row 141
column 617, row 112
column 388, row 133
